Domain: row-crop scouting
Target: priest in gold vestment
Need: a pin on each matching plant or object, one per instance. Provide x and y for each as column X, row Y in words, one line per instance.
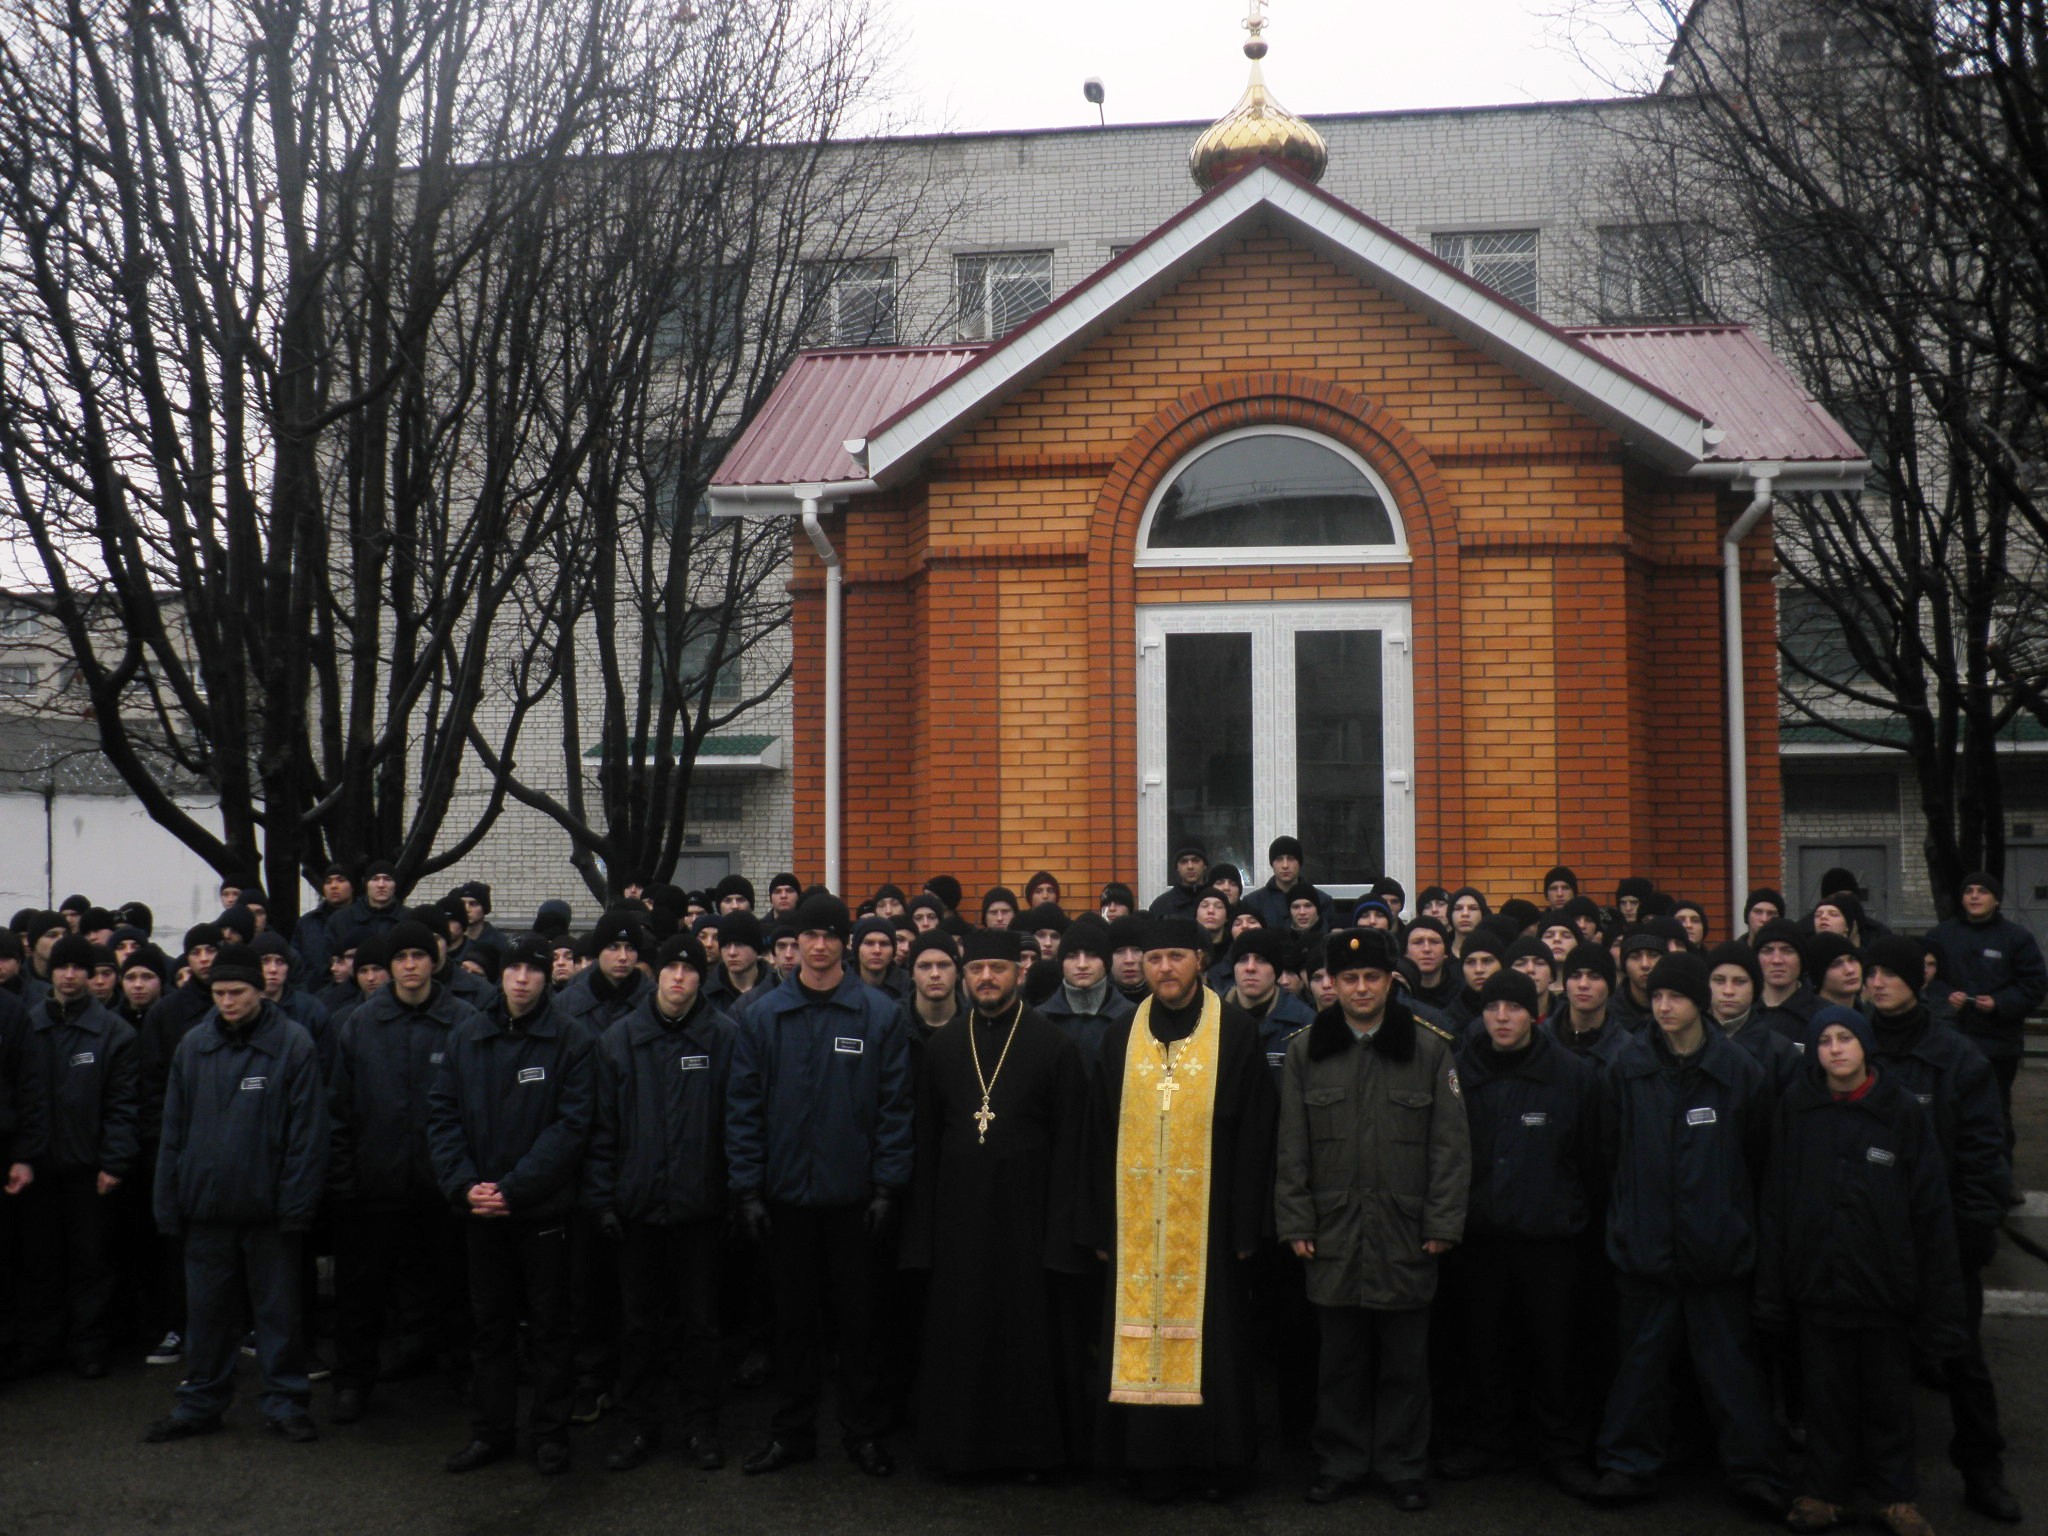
column 1177, row 1198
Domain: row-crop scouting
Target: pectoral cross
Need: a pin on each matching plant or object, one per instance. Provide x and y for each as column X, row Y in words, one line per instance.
column 982, row 1117
column 1167, row 1086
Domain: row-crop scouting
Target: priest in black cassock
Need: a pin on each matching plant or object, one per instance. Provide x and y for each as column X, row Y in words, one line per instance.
column 1177, row 1195
column 1000, row 1107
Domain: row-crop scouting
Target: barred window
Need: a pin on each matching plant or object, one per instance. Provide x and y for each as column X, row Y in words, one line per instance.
column 851, row 303
column 1653, row 273
column 714, row 800
column 1503, row 259
column 1000, row 292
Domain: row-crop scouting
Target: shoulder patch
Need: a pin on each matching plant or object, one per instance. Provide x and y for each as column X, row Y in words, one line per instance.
column 1451, row 1077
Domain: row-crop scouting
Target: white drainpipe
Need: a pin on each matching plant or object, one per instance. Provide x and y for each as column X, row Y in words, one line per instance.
column 1760, row 477
column 835, row 611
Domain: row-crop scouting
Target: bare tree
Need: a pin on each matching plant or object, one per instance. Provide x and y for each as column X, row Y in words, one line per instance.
column 755, row 228
column 1862, row 179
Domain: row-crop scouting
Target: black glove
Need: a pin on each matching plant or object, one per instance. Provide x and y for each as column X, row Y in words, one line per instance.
column 614, row 1230
column 754, row 1218
column 1975, row 1244
column 881, row 1212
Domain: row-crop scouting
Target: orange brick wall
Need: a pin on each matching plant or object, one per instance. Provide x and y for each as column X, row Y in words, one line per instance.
column 1566, row 619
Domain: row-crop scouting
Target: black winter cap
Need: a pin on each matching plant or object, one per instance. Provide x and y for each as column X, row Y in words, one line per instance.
column 408, row 935
column 823, row 912
column 239, row 922
column 203, row 936
column 1737, row 953
column 1638, row 886
column 680, row 950
column 236, row 962
column 873, row 925
column 147, row 957
column 621, row 925
column 1087, row 935
column 72, row 949
column 1989, row 881
column 270, row 942
column 1127, row 932
column 934, row 939
column 1483, row 941
column 734, row 885
column 1046, row 914
column 1283, row 847
column 1838, row 880
column 741, row 928
column 1557, row 873
column 1509, row 987
column 1685, row 974
column 378, row 867
column 1782, row 930
column 1116, row 891
column 74, row 904
column 1824, row 949
column 1590, row 957
column 784, row 881
column 535, row 950
column 1763, row 895
column 1269, row 946
column 1903, row 957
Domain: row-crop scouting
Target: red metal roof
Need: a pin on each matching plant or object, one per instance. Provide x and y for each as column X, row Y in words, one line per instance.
column 1731, row 378
column 798, row 435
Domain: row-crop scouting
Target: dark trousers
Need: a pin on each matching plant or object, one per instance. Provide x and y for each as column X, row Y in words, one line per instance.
column 12, row 1263
column 1859, row 1413
column 67, row 1274
column 1520, row 1295
column 1287, row 1333
column 668, row 1345
column 2003, row 1070
column 408, row 1261
column 233, row 1274
column 1976, row 1446
column 594, row 1303
column 1710, row 1329
column 821, row 1257
column 1372, row 1396
column 519, row 1268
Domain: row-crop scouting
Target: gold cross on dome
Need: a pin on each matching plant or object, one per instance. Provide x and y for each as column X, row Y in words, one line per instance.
column 1256, row 21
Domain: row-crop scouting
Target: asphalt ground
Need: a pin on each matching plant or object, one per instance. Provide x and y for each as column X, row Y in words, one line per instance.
column 71, row 1460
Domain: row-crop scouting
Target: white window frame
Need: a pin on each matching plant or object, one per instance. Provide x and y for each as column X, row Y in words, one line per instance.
column 1455, row 246
column 984, row 328
column 828, row 285
column 1396, row 553
column 1275, row 807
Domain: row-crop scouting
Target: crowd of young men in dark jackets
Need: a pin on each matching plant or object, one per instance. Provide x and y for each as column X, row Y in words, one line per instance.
column 1548, row 1180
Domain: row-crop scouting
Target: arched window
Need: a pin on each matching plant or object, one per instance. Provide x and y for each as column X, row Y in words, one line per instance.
column 1270, row 495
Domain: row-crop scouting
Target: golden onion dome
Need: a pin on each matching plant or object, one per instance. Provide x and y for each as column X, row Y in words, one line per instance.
column 1257, row 125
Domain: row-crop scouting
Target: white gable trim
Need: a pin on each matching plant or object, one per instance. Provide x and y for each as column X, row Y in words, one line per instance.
column 1650, row 424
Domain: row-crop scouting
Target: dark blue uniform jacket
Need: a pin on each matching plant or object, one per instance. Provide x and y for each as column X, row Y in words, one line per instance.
column 244, row 1128
column 513, row 1108
column 386, row 1058
column 820, row 1107
column 1534, row 1118
column 657, row 1153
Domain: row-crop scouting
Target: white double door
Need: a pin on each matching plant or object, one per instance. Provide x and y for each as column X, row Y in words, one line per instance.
column 1258, row 719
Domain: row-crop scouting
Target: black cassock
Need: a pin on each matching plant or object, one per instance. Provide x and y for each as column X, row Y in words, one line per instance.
column 989, row 1218
column 1221, row 1433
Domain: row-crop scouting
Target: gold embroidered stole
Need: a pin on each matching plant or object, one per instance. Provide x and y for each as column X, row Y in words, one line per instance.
column 1164, row 1148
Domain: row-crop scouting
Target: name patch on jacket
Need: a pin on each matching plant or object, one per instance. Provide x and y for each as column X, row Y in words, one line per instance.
column 1881, row 1157
column 1536, row 1117
column 846, row 1047
column 435, row 1059
column 1701, row 1117
column 252, row 1084
column 1276, row 1058
column 696, row 1063
column 83, row 1059
column 533, row 1074
column 1994, row 954
column 1924, row 1098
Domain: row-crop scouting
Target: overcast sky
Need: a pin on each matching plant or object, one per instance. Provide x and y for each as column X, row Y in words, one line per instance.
column 976, row 65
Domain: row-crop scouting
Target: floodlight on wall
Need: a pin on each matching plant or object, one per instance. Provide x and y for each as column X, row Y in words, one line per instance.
column 1091, row 89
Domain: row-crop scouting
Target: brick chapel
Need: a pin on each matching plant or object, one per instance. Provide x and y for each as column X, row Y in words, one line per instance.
column 1279, row 524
